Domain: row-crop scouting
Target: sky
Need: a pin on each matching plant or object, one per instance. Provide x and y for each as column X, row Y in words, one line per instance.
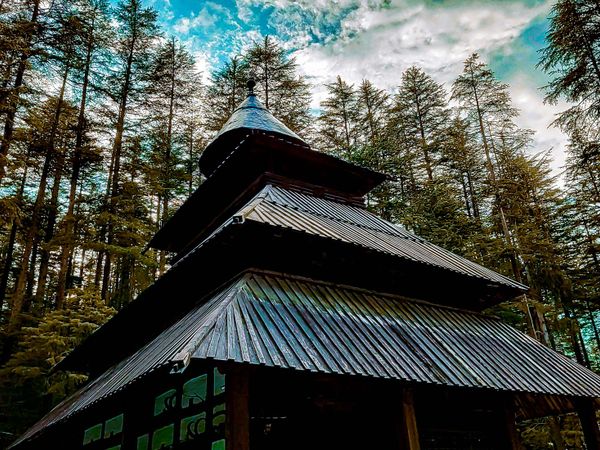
column 379, row 39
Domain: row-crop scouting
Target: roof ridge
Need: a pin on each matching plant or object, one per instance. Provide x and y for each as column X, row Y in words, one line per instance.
column 251, row 205
column 215, row 309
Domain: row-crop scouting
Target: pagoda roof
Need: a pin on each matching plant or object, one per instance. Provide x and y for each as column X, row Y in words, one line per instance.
column 288, row 230
column 357, row 226
column 282, row 321
column 250, row 116
column 258, row 159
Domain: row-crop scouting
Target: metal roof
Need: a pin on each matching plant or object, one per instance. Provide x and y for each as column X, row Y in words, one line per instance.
column 252, row 115
column 357, row 226
column 249, row 117
column 294, row 323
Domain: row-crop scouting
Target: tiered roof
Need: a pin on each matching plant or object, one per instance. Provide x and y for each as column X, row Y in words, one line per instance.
column 280, row 264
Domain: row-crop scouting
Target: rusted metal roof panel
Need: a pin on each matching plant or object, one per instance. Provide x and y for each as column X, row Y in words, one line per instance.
column 302, row 212
column 294, row 323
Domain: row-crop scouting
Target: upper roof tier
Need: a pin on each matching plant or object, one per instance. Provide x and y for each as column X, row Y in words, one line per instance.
column 254, row 149
column 249, row 116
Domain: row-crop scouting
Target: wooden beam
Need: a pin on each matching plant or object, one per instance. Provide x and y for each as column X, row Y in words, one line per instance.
column 513, row 439
column 410, row 431
column 237, row 431
column 586, row 411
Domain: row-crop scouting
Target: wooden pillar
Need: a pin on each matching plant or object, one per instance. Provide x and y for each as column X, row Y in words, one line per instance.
column 237, row 431
column 513, row 439
column 409, row 426
column 586, row 411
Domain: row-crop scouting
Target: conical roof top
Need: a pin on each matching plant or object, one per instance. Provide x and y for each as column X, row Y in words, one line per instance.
column 250, row 116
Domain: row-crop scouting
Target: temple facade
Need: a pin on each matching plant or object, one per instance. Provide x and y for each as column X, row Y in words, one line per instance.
column 293, row 318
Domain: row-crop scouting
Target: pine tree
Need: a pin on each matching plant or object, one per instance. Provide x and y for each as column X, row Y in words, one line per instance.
column 460, row 157
column 94, row 36
column 337, row 121
column 28, row 388
column 486, row 103
column 193, row 139
column 172, row 84
column 580, row 226
column 63, row 47
column 572, row 59
column 12, row 207
column 225, row 92
column 136, row 35
column 51, row 118
column 372, row 105
column 285, row 93
column 421, row 108
column 25, row 36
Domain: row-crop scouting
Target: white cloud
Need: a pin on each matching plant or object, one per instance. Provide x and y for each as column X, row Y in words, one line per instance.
column 379, row 44
column 205, row 18
column 361, row 39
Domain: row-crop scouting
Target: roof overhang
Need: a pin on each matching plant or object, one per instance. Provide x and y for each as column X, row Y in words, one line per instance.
column 259, row 158
column 294, row 323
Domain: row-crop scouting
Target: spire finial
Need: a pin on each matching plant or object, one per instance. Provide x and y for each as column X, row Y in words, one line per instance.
column 250, row 84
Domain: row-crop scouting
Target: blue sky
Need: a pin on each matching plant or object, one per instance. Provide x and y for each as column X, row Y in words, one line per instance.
column 378, row 39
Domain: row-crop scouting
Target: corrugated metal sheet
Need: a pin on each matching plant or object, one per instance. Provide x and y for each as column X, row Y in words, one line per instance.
column 301, row 212
column 293, row 323
column 306, row 325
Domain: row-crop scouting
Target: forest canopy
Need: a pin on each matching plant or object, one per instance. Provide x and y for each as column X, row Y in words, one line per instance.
column 103, row 117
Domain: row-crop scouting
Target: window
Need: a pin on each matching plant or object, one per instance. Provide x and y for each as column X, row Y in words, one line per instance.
column 165, row 402
column 192, row 427
column 188, row 413
column 194, row 391
column 113, row 426
column 163, row 438
column 92, row 434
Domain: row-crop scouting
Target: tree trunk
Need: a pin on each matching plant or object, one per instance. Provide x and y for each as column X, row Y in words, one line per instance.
column 167, row 174
column 31, row 238
column 555, row 434
column 579, row 356
column 465, row 195
column 474, row 202
column 76, row 169
column 493, row 180
column 8, row 262
column 49, row 231
column 593, row 322
column 191, row 163
column 12, row 106
column 424, row 145
column 116, row 158
column 266, row 73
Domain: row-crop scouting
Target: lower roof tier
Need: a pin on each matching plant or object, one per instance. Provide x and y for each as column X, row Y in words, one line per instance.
column 300, row 324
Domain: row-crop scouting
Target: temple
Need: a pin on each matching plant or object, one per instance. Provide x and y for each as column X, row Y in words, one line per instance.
column 293, row 318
